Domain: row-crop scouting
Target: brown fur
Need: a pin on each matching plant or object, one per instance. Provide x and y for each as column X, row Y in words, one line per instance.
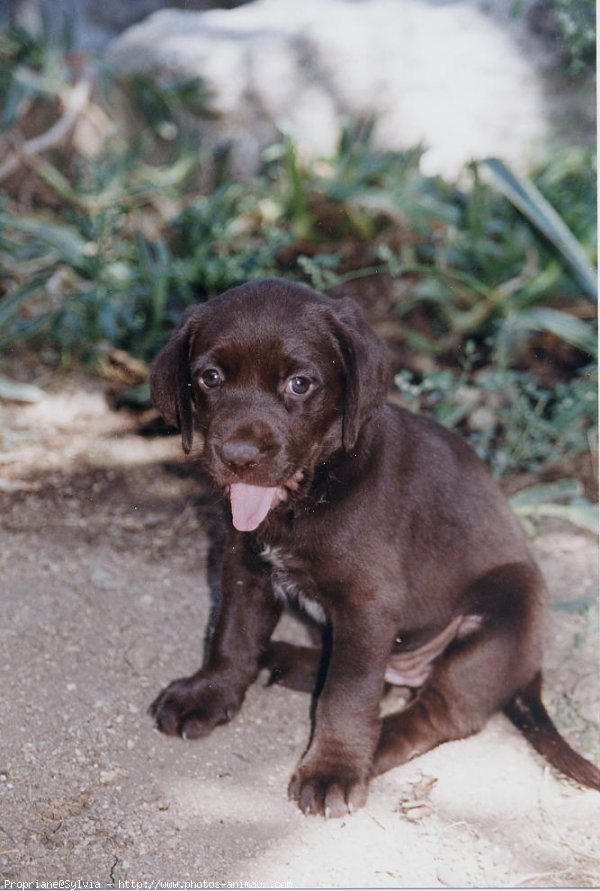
column 391, row 530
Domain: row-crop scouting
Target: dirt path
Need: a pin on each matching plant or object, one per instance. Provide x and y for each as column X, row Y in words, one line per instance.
column 104, row 599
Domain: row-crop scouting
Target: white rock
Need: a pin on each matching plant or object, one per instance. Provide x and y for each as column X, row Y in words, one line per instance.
column 441, row 73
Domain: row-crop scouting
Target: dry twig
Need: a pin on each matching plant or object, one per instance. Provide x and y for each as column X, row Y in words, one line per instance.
column 74, row 103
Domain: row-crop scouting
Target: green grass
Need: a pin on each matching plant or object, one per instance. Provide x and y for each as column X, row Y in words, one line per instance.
column 493, row 270
column 521, row 424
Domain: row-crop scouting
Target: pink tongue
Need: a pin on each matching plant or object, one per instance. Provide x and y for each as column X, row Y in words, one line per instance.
column 250, row 505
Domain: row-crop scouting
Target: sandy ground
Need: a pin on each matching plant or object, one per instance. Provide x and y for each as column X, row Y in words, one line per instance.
column 104, row 600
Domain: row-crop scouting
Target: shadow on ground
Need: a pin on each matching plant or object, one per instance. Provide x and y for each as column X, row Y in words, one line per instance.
column 103, row 561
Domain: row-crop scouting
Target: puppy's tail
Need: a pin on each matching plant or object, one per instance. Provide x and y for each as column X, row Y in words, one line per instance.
column 527, row 713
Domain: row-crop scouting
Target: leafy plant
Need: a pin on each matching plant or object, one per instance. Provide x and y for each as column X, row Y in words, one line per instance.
column 491, row 273
column 540, row 213
column 523, row 425
column 577, row 23
column 96, row 275
column 564, row 500
column 113, row 248
column 573, row 24
column 164, row 105
column 30, row 69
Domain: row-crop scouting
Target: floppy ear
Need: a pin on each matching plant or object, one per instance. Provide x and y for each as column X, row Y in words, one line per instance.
column 366, row 368
column 171, row 385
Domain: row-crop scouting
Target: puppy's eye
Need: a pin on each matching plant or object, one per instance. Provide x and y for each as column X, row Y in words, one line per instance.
column 211, row 378
column 298, row 385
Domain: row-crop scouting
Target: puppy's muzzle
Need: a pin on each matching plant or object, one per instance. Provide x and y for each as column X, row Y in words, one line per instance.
column 241, row 455
column 242, row 452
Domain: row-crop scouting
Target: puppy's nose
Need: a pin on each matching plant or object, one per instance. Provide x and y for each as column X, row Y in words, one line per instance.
column 240, row 453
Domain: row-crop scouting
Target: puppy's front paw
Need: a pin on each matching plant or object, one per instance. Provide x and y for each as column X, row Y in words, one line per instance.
column 192, row 707
column 331, row 791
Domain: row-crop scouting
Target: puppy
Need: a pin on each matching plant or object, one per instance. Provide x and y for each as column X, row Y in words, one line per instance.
column 381, row 524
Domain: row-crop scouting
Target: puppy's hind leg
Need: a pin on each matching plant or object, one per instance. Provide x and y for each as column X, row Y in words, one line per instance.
column 478, row 673
column 292, row 666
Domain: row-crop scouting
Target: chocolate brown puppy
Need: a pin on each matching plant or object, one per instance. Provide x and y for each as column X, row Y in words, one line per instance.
column 381, row 524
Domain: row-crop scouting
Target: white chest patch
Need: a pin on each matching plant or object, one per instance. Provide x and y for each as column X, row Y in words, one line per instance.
column 286, row 588
column 274, row 556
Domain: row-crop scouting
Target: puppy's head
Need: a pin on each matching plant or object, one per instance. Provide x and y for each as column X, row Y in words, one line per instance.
column 280, row 377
